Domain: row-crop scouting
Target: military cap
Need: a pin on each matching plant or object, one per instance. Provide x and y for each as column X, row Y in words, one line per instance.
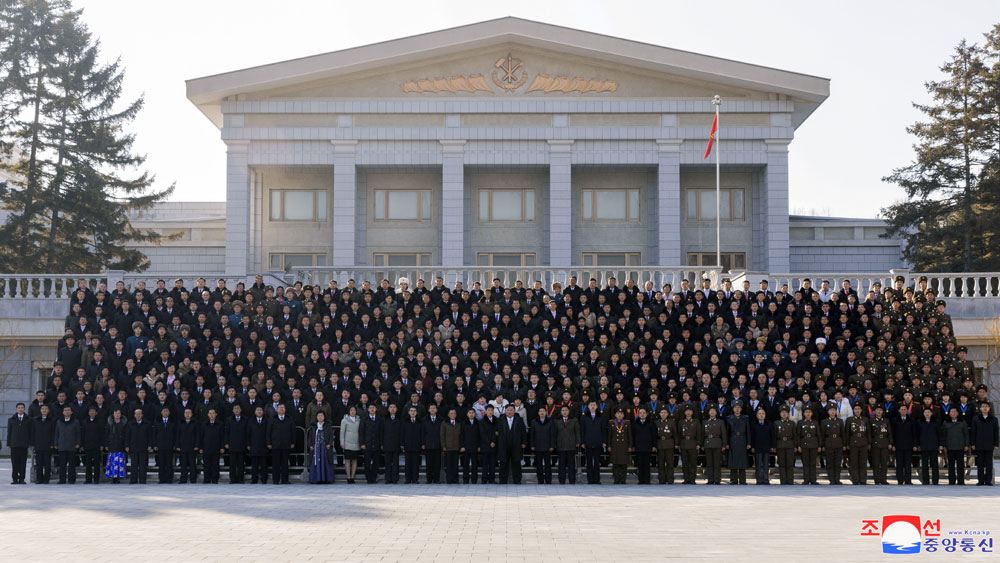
column 672, row 395
column 619, row 391
column 981, row 387
column 654, row 392
column 784, row 408
column 963, row 349
column 603, row 390
column 923, row 278
column 688, row 407
column 941, row 303
column 900, row 278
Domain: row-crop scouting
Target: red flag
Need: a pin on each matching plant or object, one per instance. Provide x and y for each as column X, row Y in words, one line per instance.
column 711, row 135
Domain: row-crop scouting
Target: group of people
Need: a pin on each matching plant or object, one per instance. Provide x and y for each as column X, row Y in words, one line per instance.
column 460, row 382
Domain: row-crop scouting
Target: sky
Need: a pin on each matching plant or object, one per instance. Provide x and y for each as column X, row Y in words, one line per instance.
column 878, row 56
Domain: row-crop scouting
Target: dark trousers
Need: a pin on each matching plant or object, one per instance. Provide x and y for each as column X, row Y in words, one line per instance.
column 880, row 465
column 451, row 466
column 371, row 465
column 857, row 464
column 956, row 467
column 713, row 465
column 904, row 467
column 92, row 465
column 689, row 465
column 543, row 467
column 189, row 467
column 593, row 464
column 433, row 466
column 18, row 464
column 67, row 467
column 643, row 461
column 211, row 462
column 809, row 456
column 984, row 466
column 567, row 466
column 258, row 469
column 470, row 467
column 140, row 465
column 834, row 459
column 929, row 472
column 665, row 465
column 489, row 467
column 392, row 466
column 786, row 466
column 760, row 468
column 619, row 473
column 43, row 466
column 412, row 469
column 510, row 465
column 165, row 466
column 237, row 467
column 279, row 465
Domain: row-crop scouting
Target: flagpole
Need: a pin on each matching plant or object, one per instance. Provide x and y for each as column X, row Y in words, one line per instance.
column 717, row 101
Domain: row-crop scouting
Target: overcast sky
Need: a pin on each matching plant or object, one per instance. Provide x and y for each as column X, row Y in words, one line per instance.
column 877, row 54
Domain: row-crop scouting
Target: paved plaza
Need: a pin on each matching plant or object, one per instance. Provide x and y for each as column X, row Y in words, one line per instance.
column 433, row 523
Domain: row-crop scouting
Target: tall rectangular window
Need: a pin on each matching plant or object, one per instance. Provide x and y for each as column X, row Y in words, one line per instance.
column 611, row 205
column 287, row 260
column 401, row 259
column 610, row 258
column 506, row 205
column 402, row 205
column 701, row 204
column 730, row 260
column 506, row 259
column 298, row 205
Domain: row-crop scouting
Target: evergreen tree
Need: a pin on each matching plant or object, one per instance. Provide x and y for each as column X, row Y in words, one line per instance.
column 72, row 159
column 945, row 221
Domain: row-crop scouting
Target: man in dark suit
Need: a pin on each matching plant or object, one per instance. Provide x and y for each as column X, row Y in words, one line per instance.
column 593, row 436
column 761, row 444
column 511, row 439
column 488, row 444
column 413, row 441
column 18, row 440
column 391, row 442
column 280, row 439
column 164, row 443
column 138, row 444
column 432, row 444
column 567, row 442
column 543, row 444
column 370, row 435
column 236, row 444
column 257, row 445
column 904, row 441
column 92, row 439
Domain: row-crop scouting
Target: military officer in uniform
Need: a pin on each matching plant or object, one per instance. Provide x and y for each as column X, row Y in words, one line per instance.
column 831, row 431
column 619, row 446
column 666, row 443
column 739, row 444
column 858, row 432
column 881, row 432
column 690, row 431
column 807, row 444
column 715, row 440
column 784, row 444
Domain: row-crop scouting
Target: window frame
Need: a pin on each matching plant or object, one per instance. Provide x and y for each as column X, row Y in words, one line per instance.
column 315, row 256
column 490, row 256
column 628, row 206
column 700, row 259
column 524, row 205
column 696, row 192
column 385, row 210
column 281, row 207
column 590, row 259
column 419, row 259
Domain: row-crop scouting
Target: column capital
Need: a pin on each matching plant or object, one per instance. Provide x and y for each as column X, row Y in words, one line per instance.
column 344, row 146
column 452, row 146
column 777, row 145
column 669, row 145
column 560, row 145
column 237, row 145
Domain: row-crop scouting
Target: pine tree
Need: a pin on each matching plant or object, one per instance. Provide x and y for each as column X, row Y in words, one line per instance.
column 944, row 220
column 74, row 162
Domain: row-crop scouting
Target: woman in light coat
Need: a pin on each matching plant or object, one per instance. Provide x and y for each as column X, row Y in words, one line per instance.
column 350, row 441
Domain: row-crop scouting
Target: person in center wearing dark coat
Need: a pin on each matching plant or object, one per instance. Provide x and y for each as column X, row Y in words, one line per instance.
column 370, row 436
column 512, row 437
column 567, row 444
column 212, row 445
column 257, row 446
column 92, row 439
column 188, row 437
column 432, row 444
column 391, row 441
column 67, row 444
column 542, row 438
column 643, row 442
column 280, row 439
column 451, row 443
column 164, row 444
column 593, row 435
column 955, row 439
column 43, row 440
column 761, row 445
column 738, row 425
column 488, row 444
column 985, row 438
column 412, row 441
column 138, row 444
column 904, row 442
column 18, row 440
column 236, row 444
column 469, row 448
column 929, row 439
column 114, row 445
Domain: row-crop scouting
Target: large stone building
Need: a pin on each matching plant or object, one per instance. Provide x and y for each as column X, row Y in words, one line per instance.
column 513, row 143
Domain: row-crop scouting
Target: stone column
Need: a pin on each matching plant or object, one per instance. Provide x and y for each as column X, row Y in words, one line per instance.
column 237, row 208
column 668, row 203
column 776, row 207
column 560, row 203
column 452, row 203
column 345, row 211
